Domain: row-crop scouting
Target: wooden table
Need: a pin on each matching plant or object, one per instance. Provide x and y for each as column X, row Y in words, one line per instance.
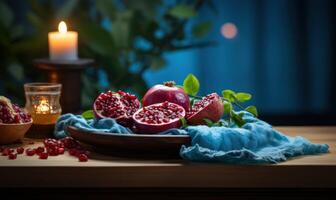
column 115, row 172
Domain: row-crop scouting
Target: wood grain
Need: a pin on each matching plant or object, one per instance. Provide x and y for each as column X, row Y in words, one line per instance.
column 118, row 172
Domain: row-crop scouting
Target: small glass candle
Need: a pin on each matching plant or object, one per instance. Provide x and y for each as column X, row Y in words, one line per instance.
column 42, row 102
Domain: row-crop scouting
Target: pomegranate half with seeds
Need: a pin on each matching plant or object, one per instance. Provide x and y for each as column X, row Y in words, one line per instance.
column 158, row 117
column 14, row 121
column 12, row 113
column 210, row 107
column 117, row 105
column 166, row 92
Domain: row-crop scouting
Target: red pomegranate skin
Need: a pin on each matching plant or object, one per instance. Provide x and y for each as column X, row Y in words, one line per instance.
column 213, row 111
column 160, row 93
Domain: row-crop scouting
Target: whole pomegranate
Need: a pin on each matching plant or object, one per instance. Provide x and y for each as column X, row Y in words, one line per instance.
column 210, row 107
column 167, row 92
column 118, row 105
column 12, row 113
column 158, row 117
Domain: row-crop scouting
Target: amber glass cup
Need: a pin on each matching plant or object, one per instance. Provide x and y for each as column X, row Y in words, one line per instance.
column 43, row 102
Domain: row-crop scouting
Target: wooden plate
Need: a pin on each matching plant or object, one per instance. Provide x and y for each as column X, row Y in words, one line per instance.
column 131, row 143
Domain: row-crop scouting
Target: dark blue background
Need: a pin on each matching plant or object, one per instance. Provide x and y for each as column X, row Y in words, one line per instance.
column 284, row 54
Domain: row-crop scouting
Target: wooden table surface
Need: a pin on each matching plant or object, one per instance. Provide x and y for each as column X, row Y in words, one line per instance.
column 106, row 171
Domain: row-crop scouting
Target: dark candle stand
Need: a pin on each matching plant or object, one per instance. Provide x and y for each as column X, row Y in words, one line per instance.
column 68, row 73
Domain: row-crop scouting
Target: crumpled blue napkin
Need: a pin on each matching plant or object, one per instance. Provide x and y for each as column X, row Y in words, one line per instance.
column 254, row 143
column 106, row 125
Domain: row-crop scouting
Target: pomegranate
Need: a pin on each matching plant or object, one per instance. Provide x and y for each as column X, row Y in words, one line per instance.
column 118, row 105
column 12, row 113
column 210, row 107
column 158, row 117
column 167, row 92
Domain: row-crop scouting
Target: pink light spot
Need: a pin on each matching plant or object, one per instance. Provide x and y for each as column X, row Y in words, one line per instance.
column 229, row 30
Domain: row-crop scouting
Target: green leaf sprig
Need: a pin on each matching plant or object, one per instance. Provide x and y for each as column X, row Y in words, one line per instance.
column 88, row 114
column 231, row 100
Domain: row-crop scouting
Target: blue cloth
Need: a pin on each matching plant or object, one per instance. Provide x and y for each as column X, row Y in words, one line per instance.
column 254, row 143
column 106, row 125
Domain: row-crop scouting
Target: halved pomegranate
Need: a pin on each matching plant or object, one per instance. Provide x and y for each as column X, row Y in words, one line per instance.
column 12, row 113
column 210, row 107
column 118, row 105
column 167, row 92
column 158, row 117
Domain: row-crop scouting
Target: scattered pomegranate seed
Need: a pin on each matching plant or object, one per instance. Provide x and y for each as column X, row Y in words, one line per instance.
column 12, row 156
column 39, row 150
column 7, row 151
column 60, row 150
column 43, row 155
column 51, row 147
column 20, row 150
column 82, row 158
column 73, row 152
column 30, row 152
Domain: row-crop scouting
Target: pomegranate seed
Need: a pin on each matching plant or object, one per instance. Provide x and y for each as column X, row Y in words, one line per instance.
column 82, row 158
column 43, row 155
column 39, row 150
column 60, row 150
column 1, row 149
column 7, row 151
column 12, row 156
column 73, row 152
column 53, row 152
column 30, row 152
column 20, row 150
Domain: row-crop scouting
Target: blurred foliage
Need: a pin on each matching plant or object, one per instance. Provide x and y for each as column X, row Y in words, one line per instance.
column 125, row 38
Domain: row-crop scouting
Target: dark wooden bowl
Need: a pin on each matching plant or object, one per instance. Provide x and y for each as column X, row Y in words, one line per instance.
column 131, row 143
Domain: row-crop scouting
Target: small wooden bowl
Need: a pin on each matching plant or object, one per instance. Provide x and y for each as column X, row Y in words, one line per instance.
column 10, row 133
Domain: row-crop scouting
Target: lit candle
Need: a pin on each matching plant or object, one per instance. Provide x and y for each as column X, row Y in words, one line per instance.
column 43, row 107
column 63, row 44
column 43, row 113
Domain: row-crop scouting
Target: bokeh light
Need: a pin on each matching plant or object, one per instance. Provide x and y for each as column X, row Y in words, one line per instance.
column 229, row 30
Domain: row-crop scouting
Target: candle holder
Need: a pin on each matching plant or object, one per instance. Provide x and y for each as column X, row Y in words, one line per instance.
column 43, row 104
column 68, row 73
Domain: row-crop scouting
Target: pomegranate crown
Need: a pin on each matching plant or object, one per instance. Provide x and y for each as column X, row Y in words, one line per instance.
column 169, row 83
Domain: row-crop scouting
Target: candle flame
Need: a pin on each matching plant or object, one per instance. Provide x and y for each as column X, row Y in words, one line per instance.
column 62, row 27
column 43, row 107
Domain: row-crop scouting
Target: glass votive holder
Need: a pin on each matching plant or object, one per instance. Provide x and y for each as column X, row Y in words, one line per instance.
column 43, row 102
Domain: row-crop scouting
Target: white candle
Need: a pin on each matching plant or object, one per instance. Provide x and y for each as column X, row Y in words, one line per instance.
column 63, row 44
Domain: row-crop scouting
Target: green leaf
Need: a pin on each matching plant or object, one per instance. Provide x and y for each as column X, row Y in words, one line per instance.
column 107, row 8
column 237, row 119
column 121, row 29
column 16, row 70
column 242, row 97
column 182, row 11
column 183, row 122
column 227, row 107
column 201, row 29
column 253, row 110
column 97, row 38
column 157, row 63
column 229, row 95
column 88, row 114
column 191, row 85
column 67, row 9
column 6, row 15
column 147, row 8
column 209, row 122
